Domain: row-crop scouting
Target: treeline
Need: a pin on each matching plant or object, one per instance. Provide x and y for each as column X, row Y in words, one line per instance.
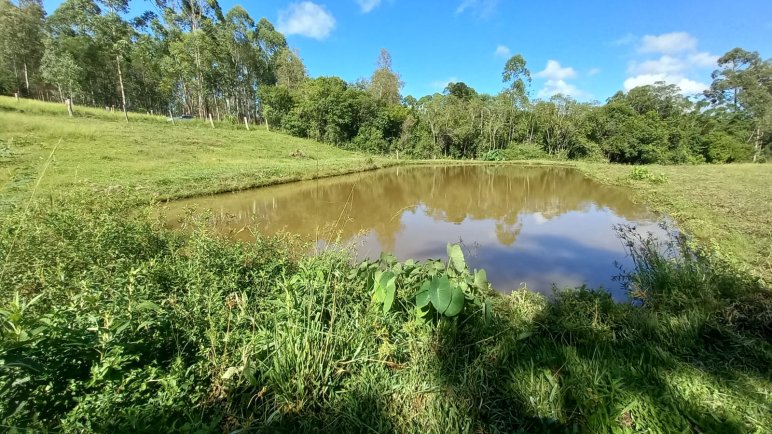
column 191, row 57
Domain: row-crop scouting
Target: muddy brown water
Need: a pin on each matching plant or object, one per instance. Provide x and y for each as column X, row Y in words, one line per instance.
column 531, row 227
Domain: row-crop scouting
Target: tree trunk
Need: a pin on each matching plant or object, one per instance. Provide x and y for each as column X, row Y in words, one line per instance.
column 26, row 77
column 757, row 145
column 123, row 93
column 16, row 74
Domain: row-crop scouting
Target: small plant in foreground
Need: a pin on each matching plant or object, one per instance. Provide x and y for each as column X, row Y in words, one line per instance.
column 643, row 174
column 445, row 289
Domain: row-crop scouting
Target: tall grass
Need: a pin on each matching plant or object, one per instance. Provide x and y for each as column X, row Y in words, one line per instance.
column 110, row 323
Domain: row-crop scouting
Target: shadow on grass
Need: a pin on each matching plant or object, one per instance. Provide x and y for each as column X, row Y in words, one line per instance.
column 585, row 363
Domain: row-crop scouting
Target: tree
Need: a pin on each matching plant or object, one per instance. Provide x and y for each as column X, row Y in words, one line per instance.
column 517, row 75
column 460, row 90
column 21, row 39
column 290, row 71
column 59, row 67
column 385, row 84
column 115, row 35
column 744, row 84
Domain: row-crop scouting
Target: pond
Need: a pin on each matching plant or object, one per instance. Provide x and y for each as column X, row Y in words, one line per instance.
column 527, row 226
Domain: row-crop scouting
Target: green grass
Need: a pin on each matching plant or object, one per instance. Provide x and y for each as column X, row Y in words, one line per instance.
column 728, row 205
column 111, row 323
column 100, row 151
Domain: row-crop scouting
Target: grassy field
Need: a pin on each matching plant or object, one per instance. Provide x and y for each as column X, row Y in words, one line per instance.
column 100, row 151
column 729, row 205
column 109, row 322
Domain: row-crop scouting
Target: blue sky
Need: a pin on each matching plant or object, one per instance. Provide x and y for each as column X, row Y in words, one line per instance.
column 589, row 49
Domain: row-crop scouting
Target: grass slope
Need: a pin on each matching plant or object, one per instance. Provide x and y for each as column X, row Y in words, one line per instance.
column 99, row 149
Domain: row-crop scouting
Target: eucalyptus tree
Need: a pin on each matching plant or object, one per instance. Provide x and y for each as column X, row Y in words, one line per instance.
column 290, row 71
column 115, row 35
column 517, row 77
column 59, row 67
column 743, row 85
column 385, row 84
column 193, row 48
column 21, row 40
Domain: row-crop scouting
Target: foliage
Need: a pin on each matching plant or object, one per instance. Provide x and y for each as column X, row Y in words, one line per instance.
column 643, row 174
column 112, row 323
column 444, row 289
column 195, row 58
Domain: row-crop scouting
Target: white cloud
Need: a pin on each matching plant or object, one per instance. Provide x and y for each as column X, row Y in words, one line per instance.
column 663, row 65
column 678, row 63
column 503, row 51
column 687, row 86
column 440, row 85
column 554, row 87
column 668, row 43
column 368, row 5
column 482, row 8
column 593, row 71
column 703, row 60
column 556, row 76
column 306, row 19
column 554, row 71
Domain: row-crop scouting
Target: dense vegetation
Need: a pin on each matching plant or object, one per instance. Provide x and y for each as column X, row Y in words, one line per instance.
column 196, row 58
column 111, row 323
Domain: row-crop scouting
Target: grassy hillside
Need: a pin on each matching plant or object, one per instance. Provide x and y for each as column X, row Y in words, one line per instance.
column 98, row 149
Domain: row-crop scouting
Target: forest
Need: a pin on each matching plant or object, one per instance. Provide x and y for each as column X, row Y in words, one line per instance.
column 191, row 57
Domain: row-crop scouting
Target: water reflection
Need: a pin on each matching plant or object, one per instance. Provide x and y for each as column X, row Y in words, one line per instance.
column 531, row 226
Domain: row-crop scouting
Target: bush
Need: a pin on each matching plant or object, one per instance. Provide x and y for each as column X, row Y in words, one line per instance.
column 525, row 152
column 643, row 174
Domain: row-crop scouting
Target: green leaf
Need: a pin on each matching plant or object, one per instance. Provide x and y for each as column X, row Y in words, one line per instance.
column 149, row 305
column 446, row 298
column 481, row 280
column 456, row 257
column 377, row 289
column 389, row 289
column 422, row 297
column 388, row 259
column 456, row 302
column 439, row 293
